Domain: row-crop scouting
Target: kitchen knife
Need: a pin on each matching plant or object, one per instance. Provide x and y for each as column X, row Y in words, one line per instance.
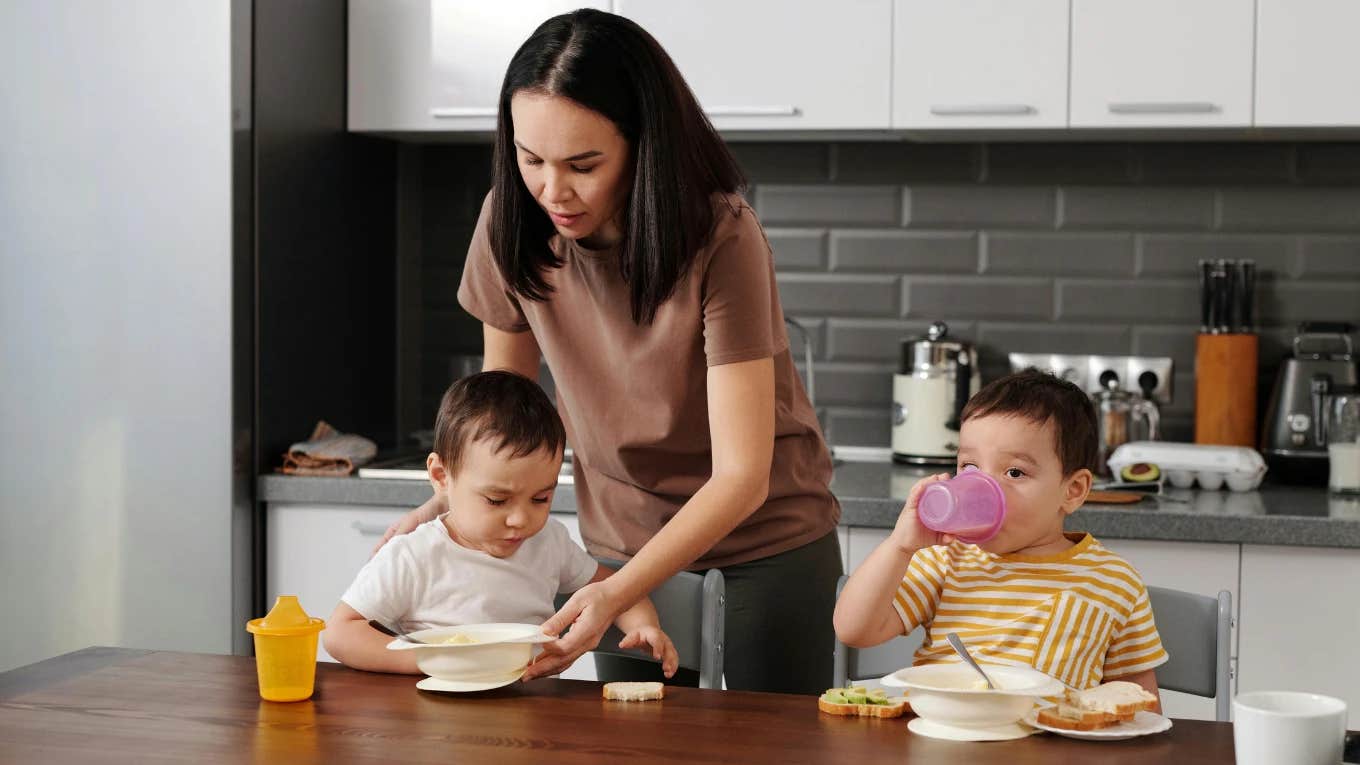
column 1205, row 297
column 1248, row 323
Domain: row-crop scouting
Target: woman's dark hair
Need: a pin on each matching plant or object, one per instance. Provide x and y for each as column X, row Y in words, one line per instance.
column 507, row 408
column 612, row 66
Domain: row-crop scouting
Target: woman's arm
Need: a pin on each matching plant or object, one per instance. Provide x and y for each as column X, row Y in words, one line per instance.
column 351, row 641
column 741, row 426
column 515, row 351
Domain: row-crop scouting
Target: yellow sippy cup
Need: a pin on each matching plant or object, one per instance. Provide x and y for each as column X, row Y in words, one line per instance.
column 285, row 650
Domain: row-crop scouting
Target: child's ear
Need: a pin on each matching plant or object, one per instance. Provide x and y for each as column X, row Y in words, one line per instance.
column 1076, row 490
column 438, row 473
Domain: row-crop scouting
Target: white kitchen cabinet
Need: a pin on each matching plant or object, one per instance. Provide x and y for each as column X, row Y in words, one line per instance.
column 427, row 65
column 980, row 64
column 1161, row 63
column 314, row 551
column 770, row 65
column 1307, row 63
column 1300, row 619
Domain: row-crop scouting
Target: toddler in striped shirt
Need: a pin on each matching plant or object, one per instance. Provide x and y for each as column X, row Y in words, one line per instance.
column 1032, row 595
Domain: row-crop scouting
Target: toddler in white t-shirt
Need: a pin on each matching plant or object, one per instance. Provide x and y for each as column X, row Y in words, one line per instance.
column 496, row 556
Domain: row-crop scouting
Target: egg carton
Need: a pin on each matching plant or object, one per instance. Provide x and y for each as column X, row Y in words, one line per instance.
column 1182, row 465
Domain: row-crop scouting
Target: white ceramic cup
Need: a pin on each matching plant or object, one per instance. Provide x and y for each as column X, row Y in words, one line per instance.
column 1275, row 727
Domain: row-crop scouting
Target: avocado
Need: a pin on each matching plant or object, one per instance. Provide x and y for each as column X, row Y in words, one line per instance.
column 1140, row 472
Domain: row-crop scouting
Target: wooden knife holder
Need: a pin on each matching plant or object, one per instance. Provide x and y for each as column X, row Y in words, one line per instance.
column 1225, row 389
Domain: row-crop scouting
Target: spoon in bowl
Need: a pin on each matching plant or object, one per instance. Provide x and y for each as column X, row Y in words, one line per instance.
column 953, row 638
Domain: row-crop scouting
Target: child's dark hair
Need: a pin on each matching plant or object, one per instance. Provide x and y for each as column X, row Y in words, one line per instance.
column 1040, row 397
column 509, row 408
column 612, row 66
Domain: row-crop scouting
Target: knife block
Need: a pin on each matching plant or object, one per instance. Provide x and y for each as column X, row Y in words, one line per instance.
column 1225, row 389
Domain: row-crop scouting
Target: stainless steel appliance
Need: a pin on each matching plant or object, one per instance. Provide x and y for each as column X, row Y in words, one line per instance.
column 1292, row 437
column 934, row 380
column 1123, row 417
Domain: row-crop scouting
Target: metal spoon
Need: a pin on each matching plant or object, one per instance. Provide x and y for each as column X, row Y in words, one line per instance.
column 953, row 638
column 394, row 632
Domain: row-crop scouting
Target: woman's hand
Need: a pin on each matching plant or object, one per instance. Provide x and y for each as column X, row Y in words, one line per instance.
column 589, row 613
column 662, row 649
column 909, row 535
column 433, row 508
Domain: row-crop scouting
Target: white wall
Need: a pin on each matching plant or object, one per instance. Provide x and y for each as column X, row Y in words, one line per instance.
column 115, row 297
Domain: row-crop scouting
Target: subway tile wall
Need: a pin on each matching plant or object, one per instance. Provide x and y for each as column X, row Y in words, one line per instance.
column 1065, row 248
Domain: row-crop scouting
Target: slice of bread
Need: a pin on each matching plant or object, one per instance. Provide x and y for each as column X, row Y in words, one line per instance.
column 634, row 691
column 856, row 702
column 1099, row 707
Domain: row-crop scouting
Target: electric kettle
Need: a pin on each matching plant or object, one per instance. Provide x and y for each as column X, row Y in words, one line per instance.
column 935, row 378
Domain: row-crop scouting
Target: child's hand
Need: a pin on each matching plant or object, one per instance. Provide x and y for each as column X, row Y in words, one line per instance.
column 909, row 535
column 662, row 648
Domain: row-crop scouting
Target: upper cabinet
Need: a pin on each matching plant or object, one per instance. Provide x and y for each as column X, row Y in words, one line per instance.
column 771, row 65
column 980, row 64
column 1161, row 63
column 436, row 65
column 864, row 67
column 1307, row 63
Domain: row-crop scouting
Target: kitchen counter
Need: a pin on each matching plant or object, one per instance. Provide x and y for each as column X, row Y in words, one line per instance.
column 871, row 495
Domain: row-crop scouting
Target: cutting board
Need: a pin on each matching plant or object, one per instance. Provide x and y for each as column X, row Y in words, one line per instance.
column 1113, row 497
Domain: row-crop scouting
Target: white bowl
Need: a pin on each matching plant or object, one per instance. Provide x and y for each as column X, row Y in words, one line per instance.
column 948, row 693
column 497, row 650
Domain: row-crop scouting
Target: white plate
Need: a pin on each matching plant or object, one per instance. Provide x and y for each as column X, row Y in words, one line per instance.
column 931, row 729
column 1142, row 724
column 451, row 686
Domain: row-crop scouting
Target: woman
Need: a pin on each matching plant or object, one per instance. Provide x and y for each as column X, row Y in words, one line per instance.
column 614, row 245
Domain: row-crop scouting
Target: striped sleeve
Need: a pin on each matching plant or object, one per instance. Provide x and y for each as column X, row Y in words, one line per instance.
column 918, row 594
column 1136, row 646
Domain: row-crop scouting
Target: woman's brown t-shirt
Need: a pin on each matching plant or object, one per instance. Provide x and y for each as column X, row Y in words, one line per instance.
column 634, row 397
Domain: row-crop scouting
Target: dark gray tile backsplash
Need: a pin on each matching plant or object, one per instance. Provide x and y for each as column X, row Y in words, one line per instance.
column 1078, row 248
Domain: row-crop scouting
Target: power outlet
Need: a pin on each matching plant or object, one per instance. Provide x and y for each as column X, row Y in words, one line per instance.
column 1086, row 371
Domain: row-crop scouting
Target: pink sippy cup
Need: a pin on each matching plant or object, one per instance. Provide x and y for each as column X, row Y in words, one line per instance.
column 971, row 506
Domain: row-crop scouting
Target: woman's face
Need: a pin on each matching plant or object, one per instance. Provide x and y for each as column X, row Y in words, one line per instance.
column 575, row 163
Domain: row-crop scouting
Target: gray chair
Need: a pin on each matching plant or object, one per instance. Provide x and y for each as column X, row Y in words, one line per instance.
column 851, row 665
column 1195, row 631
column 691, row 609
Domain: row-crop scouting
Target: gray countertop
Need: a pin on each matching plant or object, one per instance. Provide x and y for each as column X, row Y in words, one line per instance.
column 871, row 495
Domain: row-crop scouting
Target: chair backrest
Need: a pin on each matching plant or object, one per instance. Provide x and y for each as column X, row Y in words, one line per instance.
column 1195, row 631
column 690, row 607
column 855, row 664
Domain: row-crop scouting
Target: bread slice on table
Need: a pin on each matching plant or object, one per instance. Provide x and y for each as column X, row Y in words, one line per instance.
column 857, row 702
column 634, row 691
column 1103, row 706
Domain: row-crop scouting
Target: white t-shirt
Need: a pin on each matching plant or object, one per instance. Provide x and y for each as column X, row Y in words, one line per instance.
column 425, row 579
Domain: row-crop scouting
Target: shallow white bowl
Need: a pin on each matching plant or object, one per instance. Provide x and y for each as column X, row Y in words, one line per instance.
column 946, row 693
column 499, row 650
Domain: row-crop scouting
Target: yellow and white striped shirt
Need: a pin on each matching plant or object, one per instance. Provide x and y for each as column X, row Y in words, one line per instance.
column 1081, row 615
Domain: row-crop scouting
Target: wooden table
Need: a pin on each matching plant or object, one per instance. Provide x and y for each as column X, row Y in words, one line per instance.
column 116, row 705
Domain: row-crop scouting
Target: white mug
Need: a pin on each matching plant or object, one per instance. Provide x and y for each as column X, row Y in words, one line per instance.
column 1274, row 727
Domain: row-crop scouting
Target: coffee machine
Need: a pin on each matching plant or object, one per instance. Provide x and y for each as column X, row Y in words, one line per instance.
column 936, row 377
column 1292, row 439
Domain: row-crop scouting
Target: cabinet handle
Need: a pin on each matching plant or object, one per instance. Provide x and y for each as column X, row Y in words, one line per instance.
column 454, row 112
column 981, row 110
column 1163, row 107
column 752, row 111
column 368, row 529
